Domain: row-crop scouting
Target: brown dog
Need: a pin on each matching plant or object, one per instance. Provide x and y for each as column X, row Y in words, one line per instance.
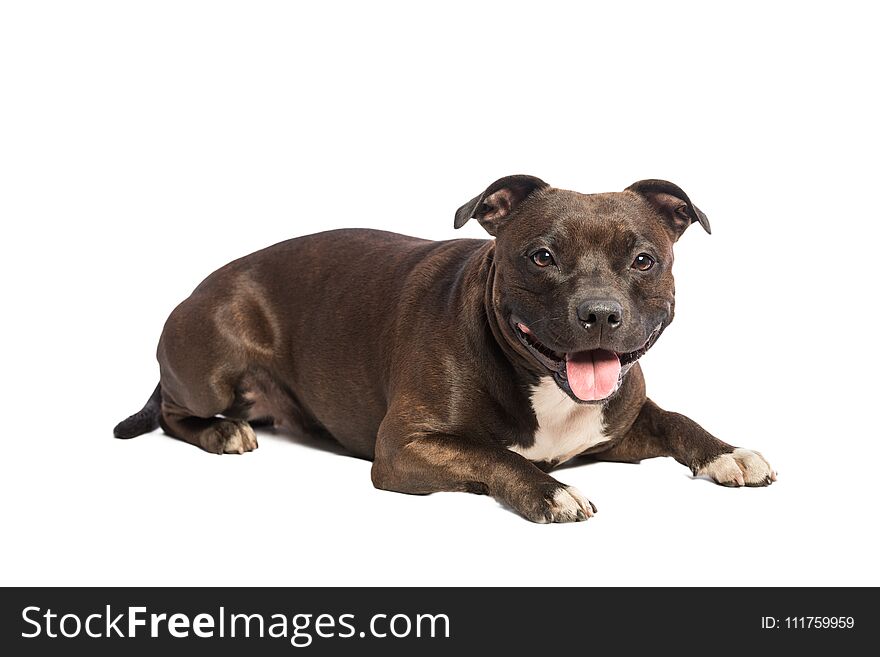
column 465, row 365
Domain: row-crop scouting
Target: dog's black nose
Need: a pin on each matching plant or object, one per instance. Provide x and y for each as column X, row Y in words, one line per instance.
column 600, row 312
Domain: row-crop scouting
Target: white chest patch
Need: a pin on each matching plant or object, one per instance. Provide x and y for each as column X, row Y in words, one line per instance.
column 565, row 428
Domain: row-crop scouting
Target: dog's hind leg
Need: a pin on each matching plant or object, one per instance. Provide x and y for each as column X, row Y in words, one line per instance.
column 204, row 353
column 214, row 434
column 196, row 419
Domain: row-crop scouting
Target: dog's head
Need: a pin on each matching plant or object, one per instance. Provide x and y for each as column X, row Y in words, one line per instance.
column 583, row 282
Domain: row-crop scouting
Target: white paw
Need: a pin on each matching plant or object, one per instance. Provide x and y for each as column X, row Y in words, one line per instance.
column 741, row 468
column 569, row 505
column 241, row 441
column 229, row 437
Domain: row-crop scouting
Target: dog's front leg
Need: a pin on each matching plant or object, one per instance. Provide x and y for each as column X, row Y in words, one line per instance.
column 410, row 461
column 660, row 433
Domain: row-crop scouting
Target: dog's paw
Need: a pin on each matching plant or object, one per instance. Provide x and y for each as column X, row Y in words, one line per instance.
column 561, row 504
column 228, row 437
column 743, row 467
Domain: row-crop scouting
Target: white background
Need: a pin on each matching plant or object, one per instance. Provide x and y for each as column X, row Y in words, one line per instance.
column 143, row 145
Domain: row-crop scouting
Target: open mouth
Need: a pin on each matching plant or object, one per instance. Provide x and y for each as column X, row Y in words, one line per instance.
column 586, row 376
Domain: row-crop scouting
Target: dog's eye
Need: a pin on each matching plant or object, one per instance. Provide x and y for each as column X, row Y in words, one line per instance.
column 643, row 262
column 543, row 258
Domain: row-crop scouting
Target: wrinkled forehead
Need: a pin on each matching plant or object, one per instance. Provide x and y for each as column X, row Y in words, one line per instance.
column 612, row 221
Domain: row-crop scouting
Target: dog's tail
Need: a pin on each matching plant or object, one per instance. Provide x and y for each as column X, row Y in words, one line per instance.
column 144, row 420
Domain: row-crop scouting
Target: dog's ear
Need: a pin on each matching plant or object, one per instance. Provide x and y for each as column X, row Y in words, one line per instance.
column 672, row 203
column 500, row 199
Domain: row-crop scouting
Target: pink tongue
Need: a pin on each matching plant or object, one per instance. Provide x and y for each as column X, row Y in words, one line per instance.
column 592, row 375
